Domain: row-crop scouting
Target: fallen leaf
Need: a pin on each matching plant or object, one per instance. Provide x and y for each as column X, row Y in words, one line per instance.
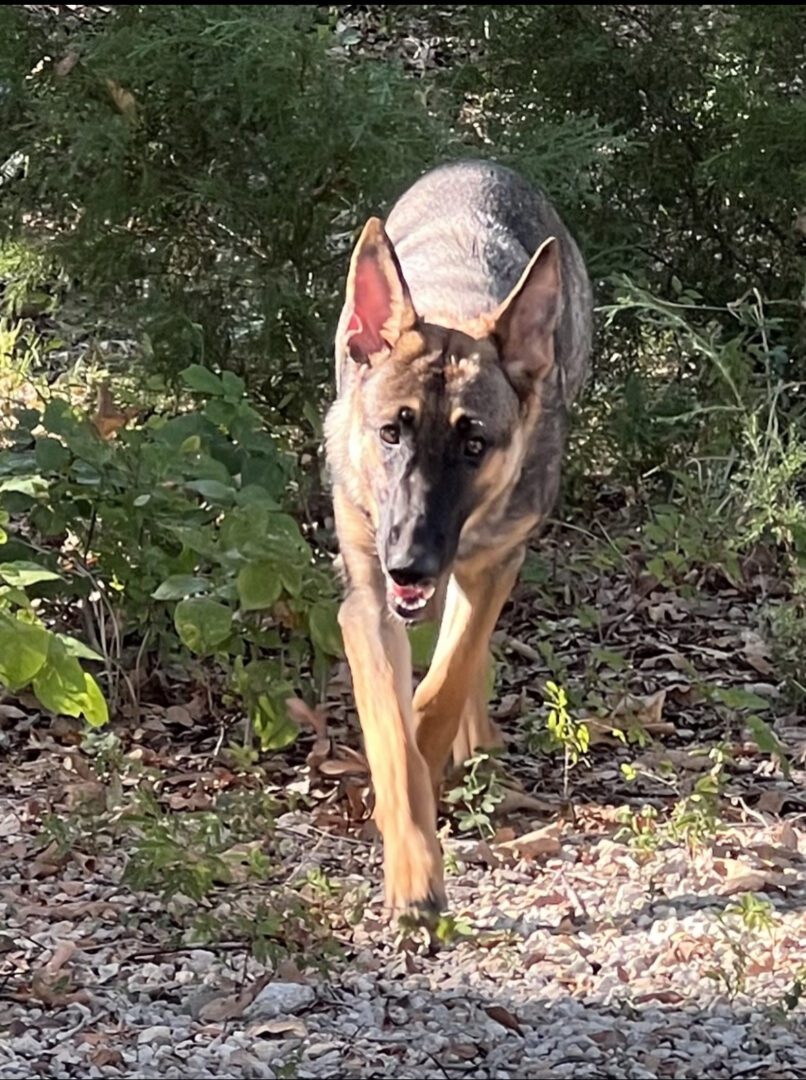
column 680, row 759
column 108, row 419
column 56, row 995
column 515, row 799
column 178, row 714
column 231, row 1006
column 531, row 845
column 741, row 878
column 123, row 100
column 341, row 767
column 504, row 1017
column 284, row 1027
column 788, row 837
column 316, row 719
column 630, row 712
column 104, row 1056
column 464, row 1051
column 665, row 997
column 61, row 955
column 66, row 64
column 771, row 801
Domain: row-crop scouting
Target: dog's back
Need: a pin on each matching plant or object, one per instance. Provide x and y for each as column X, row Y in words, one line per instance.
column 465, row 232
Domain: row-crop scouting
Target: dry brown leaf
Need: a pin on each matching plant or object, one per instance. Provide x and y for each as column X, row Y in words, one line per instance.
column 108, row 419
column 48, row 862
column 740, row 878
column 788, row 837
column 771, row 801
column 631, row 711
column 464, row 1051
column 341, row 767
column 81, row 910
column 61, row 955
column 56, row 995
column 123, row 100
column 320, row 751
column 85, row 794
column 532, row 845
column 780, row 857
column 520, row 800
column 231, row 1006
column 65, row 65
column 680, row 759
column 104, row 1056
column 178, row 714
column 194, row 799
column 316, row 719
column 283, row 1028
column 505, row 1018
column 609, row 1038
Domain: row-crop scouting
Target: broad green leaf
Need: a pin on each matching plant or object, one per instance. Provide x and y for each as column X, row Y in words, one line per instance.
column 59, row 685
column 272, row 724
column 23, row 651
column 196, row 539
column 22, row 574
column 768, row 742
column 203, row 380
column 259, row 585
column 324, row 628
column 202, row 624
column 737, row 698
column 51, row 455
column 78, row 649
column 178, row 586
column 94, row 708
column 221, row 413
column 32, row 486
column 65, row 689
column 191, row 445
column 252, row 494
column 213, row 491
column 291, row 576
column 234, row 386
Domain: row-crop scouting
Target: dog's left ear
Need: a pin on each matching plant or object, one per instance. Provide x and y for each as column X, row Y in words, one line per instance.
column 524, row 323
column 377, row 297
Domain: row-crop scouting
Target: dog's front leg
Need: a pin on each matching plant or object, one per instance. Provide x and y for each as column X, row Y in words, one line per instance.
column 455, row 681
column 379, row 656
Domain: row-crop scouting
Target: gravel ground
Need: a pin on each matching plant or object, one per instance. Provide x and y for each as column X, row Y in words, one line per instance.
column 584, row 960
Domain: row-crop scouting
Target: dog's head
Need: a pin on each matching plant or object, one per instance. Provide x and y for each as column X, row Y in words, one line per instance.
column 442, row 433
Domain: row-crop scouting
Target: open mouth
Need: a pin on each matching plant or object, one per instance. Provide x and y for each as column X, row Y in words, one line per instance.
column 409, row 601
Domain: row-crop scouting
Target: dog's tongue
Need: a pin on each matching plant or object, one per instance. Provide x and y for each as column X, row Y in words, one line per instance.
column 408, row 593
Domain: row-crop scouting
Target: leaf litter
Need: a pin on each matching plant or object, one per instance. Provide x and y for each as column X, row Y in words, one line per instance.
column 568, row 952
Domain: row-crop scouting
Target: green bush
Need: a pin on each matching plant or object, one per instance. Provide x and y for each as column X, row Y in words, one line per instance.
column 176, row 536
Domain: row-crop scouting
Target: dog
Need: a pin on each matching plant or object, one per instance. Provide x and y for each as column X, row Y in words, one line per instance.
column 463, row 340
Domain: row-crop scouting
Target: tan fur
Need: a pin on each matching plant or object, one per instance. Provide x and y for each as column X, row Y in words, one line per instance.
column 458, row 373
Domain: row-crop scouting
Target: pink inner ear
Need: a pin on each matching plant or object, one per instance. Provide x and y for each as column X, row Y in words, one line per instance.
column 372, row 305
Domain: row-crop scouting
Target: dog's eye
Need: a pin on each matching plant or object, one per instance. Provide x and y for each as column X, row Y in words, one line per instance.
column 406, row 416
column 390, row 434
column 475, row 446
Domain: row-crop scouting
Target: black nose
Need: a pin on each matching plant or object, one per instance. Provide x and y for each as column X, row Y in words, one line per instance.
column 414, row 568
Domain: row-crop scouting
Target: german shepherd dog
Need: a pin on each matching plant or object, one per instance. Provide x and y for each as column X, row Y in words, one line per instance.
column 462, row 342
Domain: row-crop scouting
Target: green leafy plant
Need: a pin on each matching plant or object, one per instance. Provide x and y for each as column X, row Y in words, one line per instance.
column 180, row 539
column 739, row 925
column 478, row 795
column 560, row 733
column 34, row 657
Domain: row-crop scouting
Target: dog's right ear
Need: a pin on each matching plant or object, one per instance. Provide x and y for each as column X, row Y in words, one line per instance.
column 377, row 297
